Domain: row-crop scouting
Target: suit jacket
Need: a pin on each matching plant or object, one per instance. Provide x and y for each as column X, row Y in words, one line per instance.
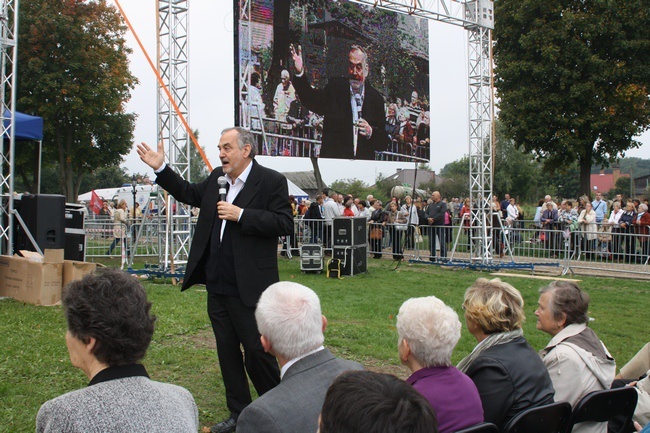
column 294, row 405
column 333, row 102
column 437, row 212
column 267, row 215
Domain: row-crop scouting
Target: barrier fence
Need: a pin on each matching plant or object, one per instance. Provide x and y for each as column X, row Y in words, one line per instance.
column 525, row 244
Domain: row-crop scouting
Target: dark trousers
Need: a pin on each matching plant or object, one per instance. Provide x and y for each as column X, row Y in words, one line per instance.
column 396, row 240
column 233, row 324
column 440, row 232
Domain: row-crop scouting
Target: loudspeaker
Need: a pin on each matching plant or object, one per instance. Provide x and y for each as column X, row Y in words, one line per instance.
column 75, row 245
column 43, row 215
column 349, row 231
column 354, row 260
column 74, row 216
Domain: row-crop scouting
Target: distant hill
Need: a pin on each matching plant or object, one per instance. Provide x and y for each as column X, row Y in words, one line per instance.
column 639, row 166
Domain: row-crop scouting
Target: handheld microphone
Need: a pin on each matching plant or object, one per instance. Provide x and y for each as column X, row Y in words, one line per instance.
column 222, row 188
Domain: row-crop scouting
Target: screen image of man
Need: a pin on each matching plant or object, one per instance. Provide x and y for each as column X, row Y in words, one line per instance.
column 353, row 110
column 234, row 253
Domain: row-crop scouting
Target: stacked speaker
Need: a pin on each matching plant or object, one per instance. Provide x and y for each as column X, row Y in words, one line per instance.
column 349, row 243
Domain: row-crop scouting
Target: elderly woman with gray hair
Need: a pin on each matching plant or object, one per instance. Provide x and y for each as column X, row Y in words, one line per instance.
column 577, row 361
column 428, row 332
column 110, row 328
column 507, row 372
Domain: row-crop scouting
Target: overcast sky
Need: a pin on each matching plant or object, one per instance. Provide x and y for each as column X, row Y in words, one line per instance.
column 211, row 82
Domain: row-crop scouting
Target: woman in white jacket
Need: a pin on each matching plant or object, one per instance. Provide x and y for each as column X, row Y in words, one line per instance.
column 577, row 361
column 587, row 224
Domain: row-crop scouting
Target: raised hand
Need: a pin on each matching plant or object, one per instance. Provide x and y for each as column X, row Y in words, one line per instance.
column 297, row 58
column 150, row 157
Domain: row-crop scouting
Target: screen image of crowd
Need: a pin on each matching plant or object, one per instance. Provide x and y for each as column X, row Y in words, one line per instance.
column 352, row 83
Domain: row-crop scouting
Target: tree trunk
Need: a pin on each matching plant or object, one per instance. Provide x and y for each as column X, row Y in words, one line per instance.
column 585, row 174
column 319, row 179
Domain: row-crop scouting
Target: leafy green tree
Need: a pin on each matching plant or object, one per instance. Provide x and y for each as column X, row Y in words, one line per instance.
column 198, row 170
column 383, row 186
column 74, row 72
column 354, row 187
column 455, row 177
column 622, row 186
column 573, row 78
column 112, row 176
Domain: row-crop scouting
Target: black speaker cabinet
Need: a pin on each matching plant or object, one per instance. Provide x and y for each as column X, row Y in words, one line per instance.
column 74, row 216
column 354, row 260
column 43, row 215
column 349, row 231
column 75, row 245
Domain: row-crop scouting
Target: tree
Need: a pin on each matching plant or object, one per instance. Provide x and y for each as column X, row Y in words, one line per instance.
column 198, row 169
column 74, row 73
column 455, row 177
column 573, row 78
column 623, row 186
column 353, row 187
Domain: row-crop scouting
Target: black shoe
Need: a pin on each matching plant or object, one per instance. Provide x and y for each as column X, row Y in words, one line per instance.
column 227, row 426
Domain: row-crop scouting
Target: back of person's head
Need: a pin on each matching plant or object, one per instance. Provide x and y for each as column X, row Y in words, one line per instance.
column 111, row 307
column 494, row 305
column 289, row 315
column 431, row 328
column 567, row 299
column 368, row 402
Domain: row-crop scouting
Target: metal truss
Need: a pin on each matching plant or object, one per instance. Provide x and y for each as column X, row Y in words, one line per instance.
column 8, row 60
column 173, row 60
column 481, row 104
column 245, row 67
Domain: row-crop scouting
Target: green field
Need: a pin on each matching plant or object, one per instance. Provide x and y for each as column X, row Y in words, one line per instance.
column 34, row 364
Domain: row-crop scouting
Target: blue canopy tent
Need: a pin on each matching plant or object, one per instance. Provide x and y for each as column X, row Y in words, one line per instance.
column 28, row 128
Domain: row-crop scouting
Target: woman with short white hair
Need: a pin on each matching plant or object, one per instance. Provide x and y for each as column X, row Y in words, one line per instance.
column 428, row 332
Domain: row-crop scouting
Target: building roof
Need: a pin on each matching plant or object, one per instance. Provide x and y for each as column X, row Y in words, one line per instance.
column 604, row 181
column 304, row 179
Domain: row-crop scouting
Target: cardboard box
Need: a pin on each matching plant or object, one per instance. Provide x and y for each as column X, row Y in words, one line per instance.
column 33, row 278
column 73, row 270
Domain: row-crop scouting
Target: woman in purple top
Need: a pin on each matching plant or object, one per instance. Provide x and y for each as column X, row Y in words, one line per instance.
column 428, row 332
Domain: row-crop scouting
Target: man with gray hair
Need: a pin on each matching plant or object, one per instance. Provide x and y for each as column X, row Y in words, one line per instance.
column 289, row 318
column 428, row 332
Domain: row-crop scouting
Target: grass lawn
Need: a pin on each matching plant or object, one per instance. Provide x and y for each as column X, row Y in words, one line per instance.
column 34, row 363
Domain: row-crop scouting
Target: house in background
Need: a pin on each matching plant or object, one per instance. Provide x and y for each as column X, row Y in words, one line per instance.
column 406, row 176
column 305, row 180
column 604, row 182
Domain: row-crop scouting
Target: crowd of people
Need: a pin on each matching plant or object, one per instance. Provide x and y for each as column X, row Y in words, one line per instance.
column 617, row 230
column 110, row 328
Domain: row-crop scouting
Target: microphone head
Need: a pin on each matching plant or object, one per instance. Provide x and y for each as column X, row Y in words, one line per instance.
column 222, row 181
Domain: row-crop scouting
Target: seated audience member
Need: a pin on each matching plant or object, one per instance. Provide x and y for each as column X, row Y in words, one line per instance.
column 368, row 402
column 289, row 319
column 428, row 332
column 636, row 373
column 508, row 373
column 109, row 330
column 577, row 361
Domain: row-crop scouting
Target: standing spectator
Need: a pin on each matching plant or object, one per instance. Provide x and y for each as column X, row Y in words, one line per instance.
column 330, row 211
column 613, row 221
column 549, row 221
column 589, row 229
column 626, row 223
column 641, row 229
column 363, row 211
column 436, row 218
column 504, row 206
column 314, row 217
column 397, row 224
column 284, row 95
column 498, row 243
column 120, row 221
column 410, row 213
column 377, row 224
column 105, row 215
column 347, row 207
column 600, row 207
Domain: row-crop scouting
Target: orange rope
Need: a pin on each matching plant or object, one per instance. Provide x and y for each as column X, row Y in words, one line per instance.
column 164, row 87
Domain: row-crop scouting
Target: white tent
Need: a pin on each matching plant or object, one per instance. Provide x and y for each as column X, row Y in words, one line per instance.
column 295, row 191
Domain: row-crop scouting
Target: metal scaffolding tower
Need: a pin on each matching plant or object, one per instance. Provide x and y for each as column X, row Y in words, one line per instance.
column 477, row 17
column 8, row 59
column 173, row 59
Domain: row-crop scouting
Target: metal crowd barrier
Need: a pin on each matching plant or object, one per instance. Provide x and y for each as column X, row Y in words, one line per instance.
column 607, row 249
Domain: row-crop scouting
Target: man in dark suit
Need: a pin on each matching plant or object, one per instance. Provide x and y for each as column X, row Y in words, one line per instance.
column 234, row 253
column 289, row 318
column 436, row 219
column 354, row 118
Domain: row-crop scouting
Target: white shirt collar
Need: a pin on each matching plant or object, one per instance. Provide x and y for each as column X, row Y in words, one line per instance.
column 286, row 366
column 243, row 176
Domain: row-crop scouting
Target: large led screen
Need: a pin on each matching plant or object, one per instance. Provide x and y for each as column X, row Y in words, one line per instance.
column 333, row 80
